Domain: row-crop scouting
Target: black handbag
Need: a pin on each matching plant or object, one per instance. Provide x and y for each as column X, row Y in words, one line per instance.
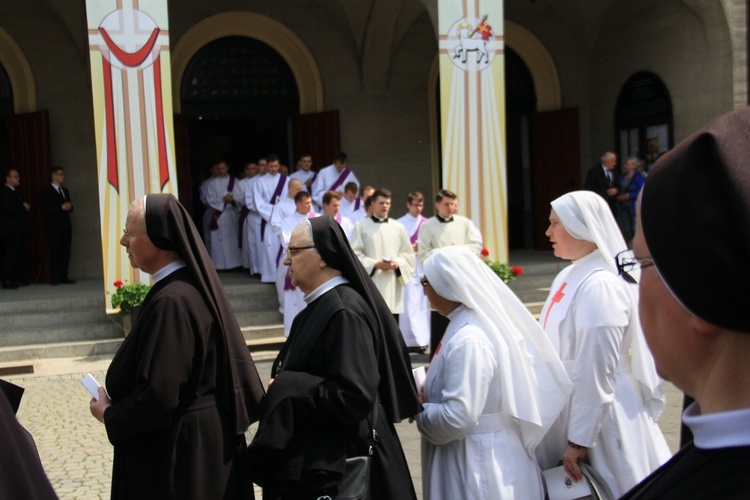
column 355, row 485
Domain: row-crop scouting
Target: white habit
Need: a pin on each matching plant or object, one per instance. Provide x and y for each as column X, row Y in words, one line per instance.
column 470, row 447
column 415, row 321
column 325, row 180
column 224, row 241
column 263, row 191
column 590, row 319
column 374, row 241
column 436, row 234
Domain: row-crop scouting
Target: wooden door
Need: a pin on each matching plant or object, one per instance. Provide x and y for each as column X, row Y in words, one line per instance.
column 29, row 152
column 555, row 164
column 317, row 134
column 182, row 162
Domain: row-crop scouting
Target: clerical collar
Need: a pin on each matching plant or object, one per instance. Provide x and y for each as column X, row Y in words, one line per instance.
column 325, row 287
column 718, row 430
column 378, row 220
column 440, row 218
column 167, row 270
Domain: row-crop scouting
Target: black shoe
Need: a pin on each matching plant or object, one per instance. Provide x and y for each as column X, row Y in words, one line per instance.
column 7, row 285
column 417, row 349
column 55, row 283
column 67, row 281
column 20, row 283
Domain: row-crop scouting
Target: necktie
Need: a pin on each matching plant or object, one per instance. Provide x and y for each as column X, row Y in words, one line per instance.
column 59, row 190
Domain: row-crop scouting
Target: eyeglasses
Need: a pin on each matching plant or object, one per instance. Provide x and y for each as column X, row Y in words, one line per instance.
column 626, row 263
column 129, row 236
column 292, row 251
column 423, row 281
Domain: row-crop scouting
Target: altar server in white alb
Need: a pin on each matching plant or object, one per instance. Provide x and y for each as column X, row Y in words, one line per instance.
column 415, row 321
column 493, row 388
column 382, row 246
column 267, row 192
column 251, row 170
column 291, row 301
column 332, row 178
column 283, row 209
column 226, row 252
column 304, row 172
column 254, row 219
column 332, row 208
column 591, row 318
column 208, row 212
column 446, row 228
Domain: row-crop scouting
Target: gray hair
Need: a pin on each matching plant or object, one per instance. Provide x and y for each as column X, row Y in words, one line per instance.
column 608, row 156
column 138, row 207
column 305, row 228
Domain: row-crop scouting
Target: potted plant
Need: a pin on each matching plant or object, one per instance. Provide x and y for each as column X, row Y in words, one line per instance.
column 503, row 271
column 128, row 299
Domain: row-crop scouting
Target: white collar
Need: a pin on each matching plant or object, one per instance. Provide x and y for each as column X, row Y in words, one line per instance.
column 325, row 287
column 56, row 186
column 167, row 270
column 718, row 430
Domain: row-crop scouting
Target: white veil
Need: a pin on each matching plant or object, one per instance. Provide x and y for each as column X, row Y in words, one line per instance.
column 586, row 216
column 535, row 384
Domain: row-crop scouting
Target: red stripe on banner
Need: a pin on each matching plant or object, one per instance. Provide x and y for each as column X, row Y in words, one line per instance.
column 160, row 132
column 109, row 113
column 127, row 58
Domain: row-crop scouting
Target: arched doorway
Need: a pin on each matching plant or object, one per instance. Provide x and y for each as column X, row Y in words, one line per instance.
column 6, row 109
column 520, row 104
column 643, row 119
column 238, row 95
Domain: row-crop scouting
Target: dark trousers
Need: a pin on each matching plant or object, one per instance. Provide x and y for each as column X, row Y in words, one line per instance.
column 59, row 253
column 438, row 325
column 12, row 256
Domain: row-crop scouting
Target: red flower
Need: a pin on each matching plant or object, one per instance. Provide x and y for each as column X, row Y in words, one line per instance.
column 518, row 271
column 118, row 284
column 485, row 252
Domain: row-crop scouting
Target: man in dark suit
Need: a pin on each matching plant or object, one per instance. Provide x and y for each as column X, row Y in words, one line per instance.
column 56, row 205
column 602, row 179
column 15, row 226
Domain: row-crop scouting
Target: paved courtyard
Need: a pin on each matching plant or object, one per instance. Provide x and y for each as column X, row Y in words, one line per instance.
column 74, row 447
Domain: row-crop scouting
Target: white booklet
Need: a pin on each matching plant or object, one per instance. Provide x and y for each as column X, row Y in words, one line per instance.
column 560, row 486
column 419, row 374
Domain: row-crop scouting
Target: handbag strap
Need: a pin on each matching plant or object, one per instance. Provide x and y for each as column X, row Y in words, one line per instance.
column 372, row 434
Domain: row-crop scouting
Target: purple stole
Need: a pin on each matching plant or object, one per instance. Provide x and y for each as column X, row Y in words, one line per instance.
column 217, row 213
column 340, row 180
column 357, row 204
column 274, row 197
column 243, row 215
column 415, row 236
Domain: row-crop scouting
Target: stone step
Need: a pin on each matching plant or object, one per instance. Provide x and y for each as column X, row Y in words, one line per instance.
column 21, row 321
column 256, row 337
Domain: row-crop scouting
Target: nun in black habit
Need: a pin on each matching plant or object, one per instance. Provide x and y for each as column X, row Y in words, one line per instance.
column 183, row 386
column 344, row 354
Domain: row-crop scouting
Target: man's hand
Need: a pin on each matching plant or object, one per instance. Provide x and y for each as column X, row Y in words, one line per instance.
column 228, row 198
column 386, row 265
column 67, row 206
column 612, row 191
column 26, row 206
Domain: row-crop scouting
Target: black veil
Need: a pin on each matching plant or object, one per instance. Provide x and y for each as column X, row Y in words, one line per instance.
column 398, row 393
column 170, row 228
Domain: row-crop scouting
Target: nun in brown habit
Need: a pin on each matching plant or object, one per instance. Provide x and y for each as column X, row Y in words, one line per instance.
column 183, row 386
column 344, row 356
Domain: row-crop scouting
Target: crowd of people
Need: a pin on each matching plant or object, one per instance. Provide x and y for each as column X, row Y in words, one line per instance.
column 15, row 227
column 505, row 396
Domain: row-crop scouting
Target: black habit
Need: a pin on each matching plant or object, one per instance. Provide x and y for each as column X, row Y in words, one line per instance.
column 15, row 226
column 183, row 385
column 697, row 473
column 341, row 355
column 21, row 472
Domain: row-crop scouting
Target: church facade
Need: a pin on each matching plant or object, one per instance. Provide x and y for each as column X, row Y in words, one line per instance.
column 258, row 76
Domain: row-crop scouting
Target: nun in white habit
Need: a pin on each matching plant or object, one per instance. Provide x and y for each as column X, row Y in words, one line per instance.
column 591, row 318
column 492, row 390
